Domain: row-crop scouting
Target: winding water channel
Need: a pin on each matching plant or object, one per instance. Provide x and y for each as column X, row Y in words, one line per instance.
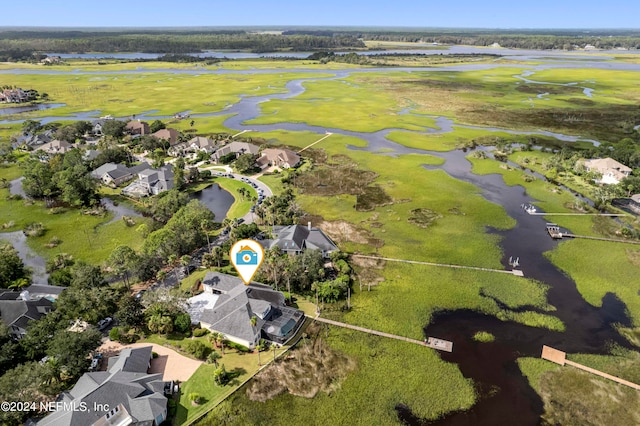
column 492, row 366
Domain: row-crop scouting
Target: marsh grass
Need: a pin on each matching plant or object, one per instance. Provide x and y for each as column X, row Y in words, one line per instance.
column 310, row 368
column 387, row 372
column 575, row 397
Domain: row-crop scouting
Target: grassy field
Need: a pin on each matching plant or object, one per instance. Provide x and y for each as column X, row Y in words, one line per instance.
column 85, row 237
column 574, row 397
column 125, row 94
column 382, row 379
column 493, row 97
column 240, row 206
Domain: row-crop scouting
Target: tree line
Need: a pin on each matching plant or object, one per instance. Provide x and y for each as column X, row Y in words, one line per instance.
column 520, row 39
column 169, row 43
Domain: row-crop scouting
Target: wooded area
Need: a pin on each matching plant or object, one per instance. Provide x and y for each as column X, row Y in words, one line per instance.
column 152, row 42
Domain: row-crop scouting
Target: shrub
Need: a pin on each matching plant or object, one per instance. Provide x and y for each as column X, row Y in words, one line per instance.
column 199, row 332
column 57, row 210
column 154, row 355
column 195, row 398
column 34, row 229
column 122, row 335
column 54, row 242
column 237, row 346
column 114, row 334
column 197, row 349
column 182, row 323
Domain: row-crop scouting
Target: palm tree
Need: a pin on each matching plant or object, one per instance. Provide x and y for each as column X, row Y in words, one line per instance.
column 205, row 225
column 217, row 338
column 261, row 346
column 218, row 255
column 184, row 262
column 214, row 357
column 161, row 275
column 171, row 260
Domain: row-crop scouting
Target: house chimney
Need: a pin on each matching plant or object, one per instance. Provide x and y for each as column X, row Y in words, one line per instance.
column 309, row 225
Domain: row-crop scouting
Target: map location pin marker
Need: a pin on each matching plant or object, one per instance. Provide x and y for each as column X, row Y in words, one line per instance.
column 246, row 256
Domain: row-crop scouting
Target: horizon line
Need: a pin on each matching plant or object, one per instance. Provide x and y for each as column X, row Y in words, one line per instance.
column 324, row 26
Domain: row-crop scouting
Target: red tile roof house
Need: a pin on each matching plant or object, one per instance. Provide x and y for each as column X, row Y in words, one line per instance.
column 170, row 135
column 137, row 127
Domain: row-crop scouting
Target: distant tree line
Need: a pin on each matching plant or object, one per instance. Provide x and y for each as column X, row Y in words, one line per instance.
column 72, row 42
column 20, row 55
column 521, row 39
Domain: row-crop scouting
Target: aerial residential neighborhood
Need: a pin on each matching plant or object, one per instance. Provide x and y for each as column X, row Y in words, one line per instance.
column 214, row 213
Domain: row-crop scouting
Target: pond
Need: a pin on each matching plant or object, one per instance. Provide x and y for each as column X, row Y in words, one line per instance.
column 35, row 262
column 216, row 199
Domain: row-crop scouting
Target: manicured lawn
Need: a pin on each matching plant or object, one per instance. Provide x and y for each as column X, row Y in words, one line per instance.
column 240, row 365
column 240, row 206
column 274, row 182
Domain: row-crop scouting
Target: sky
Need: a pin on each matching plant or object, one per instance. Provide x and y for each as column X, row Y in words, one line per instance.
column 398, row 13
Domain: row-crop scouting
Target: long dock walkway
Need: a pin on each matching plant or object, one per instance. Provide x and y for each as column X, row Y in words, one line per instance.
column 318, row 141
column 579, row 214
column 613, row 240
column 554, row 232
column 515, row 272
column 431, row 342
column 559, row 357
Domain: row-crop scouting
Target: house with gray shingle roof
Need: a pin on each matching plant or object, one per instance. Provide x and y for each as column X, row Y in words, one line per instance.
column 294, row 239
column 612, row 171
column 237, row 148
column 198, row 143
column 227, row 306
column 116, row 174
column 151, row 182
column 56, row 147
column 17, row 310
column 123, row 395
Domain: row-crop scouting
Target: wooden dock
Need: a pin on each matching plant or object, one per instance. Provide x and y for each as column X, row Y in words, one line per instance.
column 432, row 342
column 559, row 357
column 554, row 231
column 516, row 272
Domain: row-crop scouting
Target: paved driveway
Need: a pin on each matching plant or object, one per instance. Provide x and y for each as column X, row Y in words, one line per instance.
column 171, row 364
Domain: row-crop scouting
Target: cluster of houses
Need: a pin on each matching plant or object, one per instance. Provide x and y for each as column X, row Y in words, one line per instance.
column 17, row 95
column 151, row 181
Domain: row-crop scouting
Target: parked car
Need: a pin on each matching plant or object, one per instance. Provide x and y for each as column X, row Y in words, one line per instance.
column 104, row 323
